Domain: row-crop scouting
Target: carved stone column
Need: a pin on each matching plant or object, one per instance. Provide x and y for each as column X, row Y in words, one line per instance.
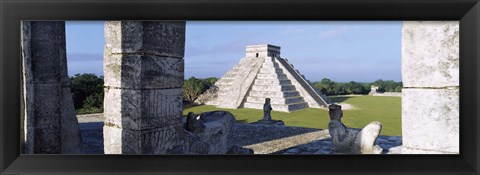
column 144, row 72
column 430, row 97
column 50, row 124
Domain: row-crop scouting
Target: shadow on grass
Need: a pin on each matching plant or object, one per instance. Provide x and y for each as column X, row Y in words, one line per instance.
column 338, row 99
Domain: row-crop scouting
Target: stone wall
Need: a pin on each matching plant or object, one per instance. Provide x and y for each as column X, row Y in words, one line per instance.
column 50, row 124
column 430, row 97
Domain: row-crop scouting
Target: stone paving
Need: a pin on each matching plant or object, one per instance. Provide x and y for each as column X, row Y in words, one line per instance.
column 325, row 146
column 263, row 139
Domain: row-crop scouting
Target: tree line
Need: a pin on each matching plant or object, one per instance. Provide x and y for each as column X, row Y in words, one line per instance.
column 329, row 87
column 87, row 89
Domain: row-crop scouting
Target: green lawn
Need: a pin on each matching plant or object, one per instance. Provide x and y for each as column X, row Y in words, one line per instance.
column 386, row 110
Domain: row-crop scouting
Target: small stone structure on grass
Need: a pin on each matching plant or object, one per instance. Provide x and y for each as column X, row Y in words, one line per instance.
column 375, row 92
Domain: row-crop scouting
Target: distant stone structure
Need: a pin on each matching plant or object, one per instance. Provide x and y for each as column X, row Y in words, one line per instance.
column 352, row 140
column 263, row 74
column 374, row 91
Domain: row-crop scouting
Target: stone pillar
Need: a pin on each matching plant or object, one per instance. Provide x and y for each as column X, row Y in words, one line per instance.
column 430, row 97
column 144, row 72
column 50, row 124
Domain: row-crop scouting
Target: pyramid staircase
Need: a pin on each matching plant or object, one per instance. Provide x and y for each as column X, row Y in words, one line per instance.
column 271, row 82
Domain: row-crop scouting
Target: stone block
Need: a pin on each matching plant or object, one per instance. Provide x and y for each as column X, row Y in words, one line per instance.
column 45, row 62
column 143, row 72
column 273, row 94
column 273, row 87
column 272, row 81
column 47, row 106
column 270, row 75
column 47, row 140
column 143, row 109
column 430, row 119
column 430, row 53
column 277, row 100
column 71, row 138
column 112, row 139
column 48, row 31
column 171, row 139
column 165, row 38
column 406, row 150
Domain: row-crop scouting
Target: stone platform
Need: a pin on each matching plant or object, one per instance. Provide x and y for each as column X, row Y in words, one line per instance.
column 263, row 139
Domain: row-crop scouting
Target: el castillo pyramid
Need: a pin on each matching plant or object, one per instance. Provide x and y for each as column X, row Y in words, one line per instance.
column 263, row 74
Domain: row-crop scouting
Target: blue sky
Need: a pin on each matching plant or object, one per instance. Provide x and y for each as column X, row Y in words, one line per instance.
column 361, row 51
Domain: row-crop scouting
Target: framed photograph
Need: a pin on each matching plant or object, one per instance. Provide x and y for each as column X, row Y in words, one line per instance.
column 232, row 87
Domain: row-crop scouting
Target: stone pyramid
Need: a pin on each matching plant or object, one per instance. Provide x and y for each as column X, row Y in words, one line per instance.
column 263, row 74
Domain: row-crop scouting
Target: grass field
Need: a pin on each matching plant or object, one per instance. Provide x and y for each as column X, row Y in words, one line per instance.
column 386, row 110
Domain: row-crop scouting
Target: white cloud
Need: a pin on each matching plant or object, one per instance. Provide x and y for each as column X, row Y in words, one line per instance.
column 332, row 32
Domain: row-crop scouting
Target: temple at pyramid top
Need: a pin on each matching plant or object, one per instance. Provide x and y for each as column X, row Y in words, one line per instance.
column 263, row 74
column 262, row 50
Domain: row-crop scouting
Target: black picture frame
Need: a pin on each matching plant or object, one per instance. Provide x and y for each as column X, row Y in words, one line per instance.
column 12, row 12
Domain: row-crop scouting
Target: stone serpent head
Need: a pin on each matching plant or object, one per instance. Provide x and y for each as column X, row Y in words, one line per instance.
column 335, row 112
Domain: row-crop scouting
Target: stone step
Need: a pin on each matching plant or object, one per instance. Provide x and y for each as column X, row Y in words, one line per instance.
column 272, row 82
column 270, row 66
column 273, row 87
column 224, row 81
column 297, row 106
column 278, row 107
column 276, row 70
column 291, row 100
column 272, row 94
column 271, row 75
column 229, row 75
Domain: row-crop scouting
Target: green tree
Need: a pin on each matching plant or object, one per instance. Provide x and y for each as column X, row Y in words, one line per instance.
column 398, row 89
column 210, row 81
column 192, row 88
column 325, row 86
column 353, row 87
column 85, row 85
column 338, row 89
column 94, row 101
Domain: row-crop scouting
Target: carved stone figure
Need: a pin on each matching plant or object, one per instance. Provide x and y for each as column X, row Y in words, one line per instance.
column 193, row 123
column 352, row 140
column 267, row 109
column 212, row 128
column 267, row 117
